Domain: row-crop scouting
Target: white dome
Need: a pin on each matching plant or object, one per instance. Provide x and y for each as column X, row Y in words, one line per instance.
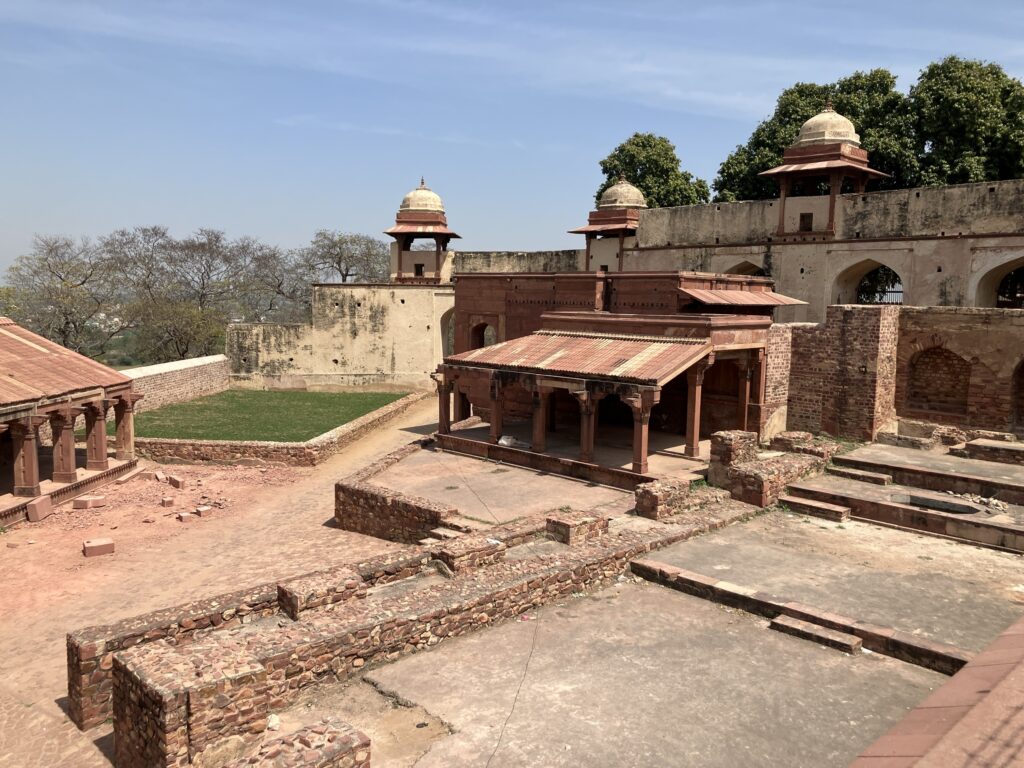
column 621, row 194
column 422, row 199
column 827, row 127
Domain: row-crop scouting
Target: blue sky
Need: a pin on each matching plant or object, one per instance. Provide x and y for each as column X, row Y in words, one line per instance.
column 276, row 119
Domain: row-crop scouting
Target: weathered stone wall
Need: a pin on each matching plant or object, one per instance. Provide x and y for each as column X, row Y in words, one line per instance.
column 984, row 345
column 387, row 514
column 843, row 372
column 307, row 454
column 751, row 478
column 517, row 261
column 359, row 335
column 950, row 245
column 179, row 381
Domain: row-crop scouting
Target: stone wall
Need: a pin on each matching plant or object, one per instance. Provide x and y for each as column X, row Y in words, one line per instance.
column 980, row 351
column 517, row 261
column 179, row 381
column 358, row 335
column 749, row 477
column 374, row 510
column 307, row 454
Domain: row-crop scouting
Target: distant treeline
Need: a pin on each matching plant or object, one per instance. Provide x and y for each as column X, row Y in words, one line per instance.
column 141, row 296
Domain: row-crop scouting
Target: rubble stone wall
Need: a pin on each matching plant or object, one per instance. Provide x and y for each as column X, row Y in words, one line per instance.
column 329, row 744
column 374, row 510
column 753, row 479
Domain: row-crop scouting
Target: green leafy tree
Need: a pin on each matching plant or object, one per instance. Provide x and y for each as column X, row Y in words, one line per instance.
column 969, row 121
column 881, row 113
column 651, row 164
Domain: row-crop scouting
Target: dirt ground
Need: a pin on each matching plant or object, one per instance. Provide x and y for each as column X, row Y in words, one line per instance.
column 264, row 525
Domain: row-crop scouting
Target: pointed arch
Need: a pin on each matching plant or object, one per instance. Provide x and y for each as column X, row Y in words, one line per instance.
column 868, row 282
column 1002, row 286
column 939, row 382
column 746, row 268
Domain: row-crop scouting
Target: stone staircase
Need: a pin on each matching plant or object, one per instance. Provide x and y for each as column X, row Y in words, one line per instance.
column 454, row 527
column 946, row 496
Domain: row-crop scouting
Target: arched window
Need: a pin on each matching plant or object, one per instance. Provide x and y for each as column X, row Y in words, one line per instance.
column 447, row 329
column 1002, row 286
column 747, row 268
column 939, row 382
column 482, row 335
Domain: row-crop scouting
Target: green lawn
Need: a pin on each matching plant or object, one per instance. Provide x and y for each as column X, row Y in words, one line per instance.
column 255, row 415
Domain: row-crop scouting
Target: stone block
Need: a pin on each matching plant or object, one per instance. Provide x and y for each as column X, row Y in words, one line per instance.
column 96, row 547
column 167, row 501
column 175, row 482
column 39, row 508
column 89, row 502
column 203, row 510
column 185, row 517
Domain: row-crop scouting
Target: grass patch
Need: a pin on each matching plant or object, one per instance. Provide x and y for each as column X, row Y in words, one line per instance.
column 255, row 415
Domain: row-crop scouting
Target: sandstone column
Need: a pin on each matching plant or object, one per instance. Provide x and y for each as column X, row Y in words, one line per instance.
column 25, row 439
column 96, row 435
column 124, row 418
column 743, row 395
column 694, row 383
column 62, row 424
column 588, row 411
column 540, row 421
column 497, row 404
column 444, row 399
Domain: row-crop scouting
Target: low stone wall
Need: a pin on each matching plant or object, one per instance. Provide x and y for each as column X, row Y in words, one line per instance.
column 387, row 514
column 592, row 473
column 178, row 381
column 186, row 698
column 573, row 527
column 805, row 442
column 329, row 744
column 307, row 454
column 90, row 651
column 318, row 590
column 995, row 450
column 737, row 467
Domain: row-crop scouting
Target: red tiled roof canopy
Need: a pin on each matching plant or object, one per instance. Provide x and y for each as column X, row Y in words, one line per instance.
column 822, row 166
column 740, row 298
column 635, row 359
column 33, row 368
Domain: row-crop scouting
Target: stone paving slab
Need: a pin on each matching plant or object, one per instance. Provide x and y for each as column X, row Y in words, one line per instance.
column 941, row 590
column 642, row 676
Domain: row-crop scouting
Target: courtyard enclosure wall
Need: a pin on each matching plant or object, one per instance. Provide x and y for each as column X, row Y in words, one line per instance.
column 359, row 335
column 949, row 245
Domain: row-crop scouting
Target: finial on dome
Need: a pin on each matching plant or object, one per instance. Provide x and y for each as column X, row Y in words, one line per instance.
column 622, row 177
column 423, row 183
column 828, row 105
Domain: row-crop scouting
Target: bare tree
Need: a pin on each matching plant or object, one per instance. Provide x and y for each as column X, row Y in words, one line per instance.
column 348, row 256
column 68, row 291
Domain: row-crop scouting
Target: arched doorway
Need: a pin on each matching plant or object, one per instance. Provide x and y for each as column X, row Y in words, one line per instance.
column 1002, row 287
column 482, row 335
column 868, row 282
column 1010, row 293
column 938, row 382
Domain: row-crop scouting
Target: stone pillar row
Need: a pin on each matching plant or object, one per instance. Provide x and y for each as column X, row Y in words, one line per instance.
column 25, row 441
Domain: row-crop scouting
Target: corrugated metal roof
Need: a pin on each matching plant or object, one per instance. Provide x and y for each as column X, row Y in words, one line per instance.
column 614, row 227
column 635, row 359
column 33, row 368
column 740, row 298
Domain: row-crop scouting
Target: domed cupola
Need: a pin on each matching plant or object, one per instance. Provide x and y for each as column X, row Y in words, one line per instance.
column 621, row 195
column 420, row 216
column 423, row 198
column 827, row 127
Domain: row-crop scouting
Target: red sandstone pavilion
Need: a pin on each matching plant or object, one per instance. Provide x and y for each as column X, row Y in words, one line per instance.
column 600, row 351
column 44, row 384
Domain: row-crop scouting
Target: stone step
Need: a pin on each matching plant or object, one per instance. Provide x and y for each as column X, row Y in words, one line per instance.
column 877, row 478
column 816, row 508
column 445, row 533
column 807, row 631
column 429, row 540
